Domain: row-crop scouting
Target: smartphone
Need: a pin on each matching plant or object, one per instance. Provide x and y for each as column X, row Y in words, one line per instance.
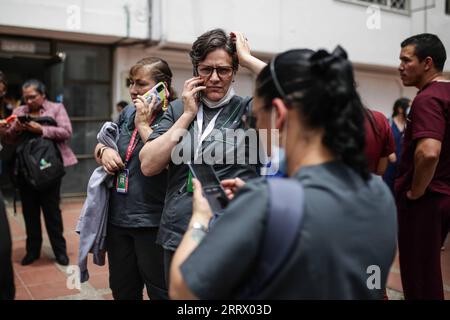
column 24, row 119
column 159, row 91
column 198, row 95
column 212, row 189
column 11, row 118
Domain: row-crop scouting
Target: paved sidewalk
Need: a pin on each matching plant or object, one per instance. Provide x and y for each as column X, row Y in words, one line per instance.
column 45, row 279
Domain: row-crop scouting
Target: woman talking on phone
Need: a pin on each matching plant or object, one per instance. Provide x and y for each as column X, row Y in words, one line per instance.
column 208, row 104
column 344, row 225
column 136, row 201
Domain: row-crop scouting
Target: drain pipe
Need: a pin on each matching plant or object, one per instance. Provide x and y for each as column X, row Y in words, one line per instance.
column 425, row 9
column 119, row 42
column 160, row 43
column 148, row 42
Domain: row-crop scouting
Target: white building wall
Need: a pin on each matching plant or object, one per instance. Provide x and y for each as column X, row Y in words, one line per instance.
column 277, row 25
column 105, row 18
column 271, row 26
column 378, row 91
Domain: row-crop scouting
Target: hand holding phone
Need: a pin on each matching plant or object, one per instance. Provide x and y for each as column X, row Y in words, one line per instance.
column 11, row 119
column 201, row 210
column 190, row 97
column 159, row 91
column 212, row 188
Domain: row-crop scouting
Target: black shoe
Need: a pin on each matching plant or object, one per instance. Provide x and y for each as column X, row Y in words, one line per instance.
column 29, row 259
column 62, row 259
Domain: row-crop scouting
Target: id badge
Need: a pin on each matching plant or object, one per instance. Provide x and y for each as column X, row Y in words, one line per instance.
column 122, row 182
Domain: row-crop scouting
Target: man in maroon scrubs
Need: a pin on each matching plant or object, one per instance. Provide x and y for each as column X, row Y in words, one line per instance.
column 423, row 185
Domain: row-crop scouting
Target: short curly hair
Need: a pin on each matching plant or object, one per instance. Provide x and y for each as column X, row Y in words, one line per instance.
column 210, row 41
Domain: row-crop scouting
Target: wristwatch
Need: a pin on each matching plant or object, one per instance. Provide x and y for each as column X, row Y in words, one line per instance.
column 199, row 231
column 100, row 152
column 199, row 226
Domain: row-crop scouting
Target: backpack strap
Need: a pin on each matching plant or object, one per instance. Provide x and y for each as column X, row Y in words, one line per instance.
column 282, row 229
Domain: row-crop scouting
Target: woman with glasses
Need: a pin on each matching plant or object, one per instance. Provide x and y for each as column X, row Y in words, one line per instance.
column 33, row 199
column 209, row 108
column 345, row 241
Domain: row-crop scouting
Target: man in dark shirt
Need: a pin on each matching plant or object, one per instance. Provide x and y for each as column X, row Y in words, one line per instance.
column 423, row 185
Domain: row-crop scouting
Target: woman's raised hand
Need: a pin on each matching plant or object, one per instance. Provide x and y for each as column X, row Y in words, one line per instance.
column 242, row 48
column 144, row 111
column 246, row 59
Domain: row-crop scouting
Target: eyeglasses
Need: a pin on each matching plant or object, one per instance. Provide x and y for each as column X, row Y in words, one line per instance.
column 222, row 72
column 32, row 97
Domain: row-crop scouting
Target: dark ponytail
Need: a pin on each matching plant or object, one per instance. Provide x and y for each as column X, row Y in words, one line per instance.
column 321, row 86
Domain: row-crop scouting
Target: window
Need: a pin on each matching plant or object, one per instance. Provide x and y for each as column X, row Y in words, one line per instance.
column 400, row 6
column 87, row 98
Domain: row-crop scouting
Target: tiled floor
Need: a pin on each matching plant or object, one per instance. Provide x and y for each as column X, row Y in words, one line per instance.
column 45, row 279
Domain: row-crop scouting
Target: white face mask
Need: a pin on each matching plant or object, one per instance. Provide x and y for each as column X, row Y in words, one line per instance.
column 222, row 102
column 278, row 165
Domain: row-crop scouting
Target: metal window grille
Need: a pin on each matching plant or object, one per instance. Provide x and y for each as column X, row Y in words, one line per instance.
column 403, row 6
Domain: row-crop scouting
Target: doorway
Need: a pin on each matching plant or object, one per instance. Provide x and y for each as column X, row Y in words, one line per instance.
column 18, row 69
column 76, row 74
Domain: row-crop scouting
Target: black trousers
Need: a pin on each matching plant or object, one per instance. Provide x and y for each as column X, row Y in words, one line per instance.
column 168, row 256
column 32, row 202
column 135, row 260
column 7, row 289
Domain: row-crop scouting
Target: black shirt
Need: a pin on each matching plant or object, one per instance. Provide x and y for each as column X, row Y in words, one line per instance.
column 143, row 204
column 349, row 225
column 178, row 203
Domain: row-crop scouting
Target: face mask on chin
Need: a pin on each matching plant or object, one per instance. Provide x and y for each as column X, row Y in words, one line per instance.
column 222, row 102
